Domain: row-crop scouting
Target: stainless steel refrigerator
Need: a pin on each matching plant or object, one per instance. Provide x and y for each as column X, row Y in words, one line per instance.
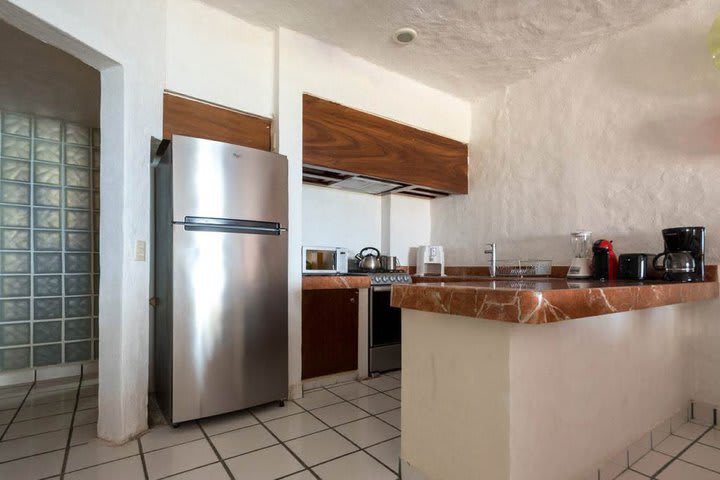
column 220, row 277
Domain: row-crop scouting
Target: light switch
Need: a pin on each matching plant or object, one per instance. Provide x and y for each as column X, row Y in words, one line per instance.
column 140, row 251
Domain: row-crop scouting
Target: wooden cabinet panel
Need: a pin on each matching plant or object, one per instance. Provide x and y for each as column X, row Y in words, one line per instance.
column 329, row 331
column 345, row 139
column 183, row 116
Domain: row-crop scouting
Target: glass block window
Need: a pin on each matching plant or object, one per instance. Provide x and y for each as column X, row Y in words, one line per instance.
column 49, row 221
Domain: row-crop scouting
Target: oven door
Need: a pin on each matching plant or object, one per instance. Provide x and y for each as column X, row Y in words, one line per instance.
column 385, row 320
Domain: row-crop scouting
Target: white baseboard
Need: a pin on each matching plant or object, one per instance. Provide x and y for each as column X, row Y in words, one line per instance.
column 328, row 380
column 17, row 377
column 29, row 375
column 57, row 371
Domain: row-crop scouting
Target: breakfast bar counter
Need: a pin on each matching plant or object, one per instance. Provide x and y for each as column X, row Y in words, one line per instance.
column 489, row 394
column 544, row 300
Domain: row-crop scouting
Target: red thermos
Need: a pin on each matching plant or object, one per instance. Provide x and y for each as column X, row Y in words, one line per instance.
column 604, row 261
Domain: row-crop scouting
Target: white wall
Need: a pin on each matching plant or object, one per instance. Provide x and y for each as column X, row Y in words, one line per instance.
column 330, row 73
column 406, row 225
column 621, row 140
column 594, row 385
column 395, row 224
column 33, row 86
column 232, row 63
column 705, row 352
column 128, row 49
column 216, row 57
column 486, row 399
column 339, row 218
column 305, row 65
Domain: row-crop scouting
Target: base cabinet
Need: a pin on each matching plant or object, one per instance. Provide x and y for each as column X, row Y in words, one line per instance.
column 329, row 332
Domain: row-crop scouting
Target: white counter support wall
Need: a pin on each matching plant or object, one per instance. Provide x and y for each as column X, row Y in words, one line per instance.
column 548, row 402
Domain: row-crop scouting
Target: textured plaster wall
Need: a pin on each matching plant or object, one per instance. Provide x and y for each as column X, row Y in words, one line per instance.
column 621, row 140
column 128, row 49
column 219, row 58
column 464, row 47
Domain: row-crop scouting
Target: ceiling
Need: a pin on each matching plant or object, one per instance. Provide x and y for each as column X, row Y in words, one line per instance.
column 465, row 47
column 41, row 79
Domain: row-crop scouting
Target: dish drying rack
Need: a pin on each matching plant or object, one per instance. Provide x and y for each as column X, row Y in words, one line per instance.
column 523, row 268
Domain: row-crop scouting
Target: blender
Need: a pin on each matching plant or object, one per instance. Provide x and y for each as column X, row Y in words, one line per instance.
column 581, row 265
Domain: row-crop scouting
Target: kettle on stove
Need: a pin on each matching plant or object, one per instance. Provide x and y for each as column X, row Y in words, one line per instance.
column 369, row 261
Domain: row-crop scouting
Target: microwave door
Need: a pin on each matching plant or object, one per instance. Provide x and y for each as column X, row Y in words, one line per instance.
column 320, row 260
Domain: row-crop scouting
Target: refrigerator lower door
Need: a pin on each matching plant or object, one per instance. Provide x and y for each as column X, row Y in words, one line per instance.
column 230, row 332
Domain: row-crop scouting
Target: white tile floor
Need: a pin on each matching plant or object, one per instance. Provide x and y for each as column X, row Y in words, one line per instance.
column 347, row 431
column 691, row 452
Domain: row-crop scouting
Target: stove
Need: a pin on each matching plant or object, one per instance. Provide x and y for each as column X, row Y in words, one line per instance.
column 385, row 322
column 385, row 277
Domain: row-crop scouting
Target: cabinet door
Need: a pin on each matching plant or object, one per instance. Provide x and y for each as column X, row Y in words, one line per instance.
column 183, row 116
column 341, row 138
column 329, row 332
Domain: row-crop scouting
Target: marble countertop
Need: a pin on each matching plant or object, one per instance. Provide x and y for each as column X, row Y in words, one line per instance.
column 331, row 282
column 544, row 300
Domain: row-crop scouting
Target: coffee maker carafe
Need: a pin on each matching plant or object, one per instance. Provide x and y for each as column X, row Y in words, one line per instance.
column 684, row 255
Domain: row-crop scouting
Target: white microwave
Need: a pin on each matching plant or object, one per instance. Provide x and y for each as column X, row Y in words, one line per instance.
column 324, row 260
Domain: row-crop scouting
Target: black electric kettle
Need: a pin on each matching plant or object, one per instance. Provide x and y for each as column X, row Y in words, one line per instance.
column 369, row 261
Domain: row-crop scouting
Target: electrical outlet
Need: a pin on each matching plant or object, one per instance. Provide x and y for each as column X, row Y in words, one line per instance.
column 140, row 251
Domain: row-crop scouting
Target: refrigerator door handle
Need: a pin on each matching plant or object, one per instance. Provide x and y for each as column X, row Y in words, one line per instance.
column 228, row 225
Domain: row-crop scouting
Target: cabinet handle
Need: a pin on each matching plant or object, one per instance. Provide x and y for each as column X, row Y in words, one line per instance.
column 352, row 300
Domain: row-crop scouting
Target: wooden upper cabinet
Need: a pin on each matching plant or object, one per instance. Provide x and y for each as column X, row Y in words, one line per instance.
column 343, row 139
column 184, row 116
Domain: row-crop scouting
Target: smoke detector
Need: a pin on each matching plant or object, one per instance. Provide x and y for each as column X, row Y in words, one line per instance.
column 404, row 36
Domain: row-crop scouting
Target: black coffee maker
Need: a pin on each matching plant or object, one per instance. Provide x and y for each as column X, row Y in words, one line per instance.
column 684, row 254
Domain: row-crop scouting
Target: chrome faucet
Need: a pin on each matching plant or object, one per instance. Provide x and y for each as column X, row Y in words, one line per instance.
column 493, row 259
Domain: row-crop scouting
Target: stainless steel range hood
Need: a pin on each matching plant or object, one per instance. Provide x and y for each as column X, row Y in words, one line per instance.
column 365, row 185
column 342, row 180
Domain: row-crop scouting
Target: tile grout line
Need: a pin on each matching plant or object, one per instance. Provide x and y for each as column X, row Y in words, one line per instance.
column 70, row 431
column 17, row 411
column 217, row 454
column 676, row 457
column 32, row 455
column 142, row 458
column 299, row 460
column 348, row 439
column 340, row 400
column 259, row 422
column 39, row 433
column 695, row 465
column 371, row 414
column 104, row 462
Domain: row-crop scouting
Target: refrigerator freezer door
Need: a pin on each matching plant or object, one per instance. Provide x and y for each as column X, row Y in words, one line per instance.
column 230, row 339
column 213, row 179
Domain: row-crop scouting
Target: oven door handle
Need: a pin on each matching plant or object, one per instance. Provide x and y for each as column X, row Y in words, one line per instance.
column 384, row 288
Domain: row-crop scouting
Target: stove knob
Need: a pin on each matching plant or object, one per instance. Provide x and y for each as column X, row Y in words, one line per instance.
column 393, row 278
column 384, row 278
